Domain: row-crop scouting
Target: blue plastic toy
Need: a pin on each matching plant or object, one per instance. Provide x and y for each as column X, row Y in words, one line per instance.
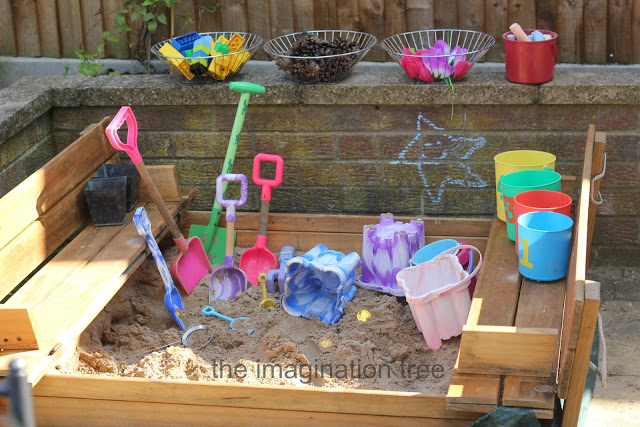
column 286, row 253
column 320, row 284
column 185, row 42
column 172, row 299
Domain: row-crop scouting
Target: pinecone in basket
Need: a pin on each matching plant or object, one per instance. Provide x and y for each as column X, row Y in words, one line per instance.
column 318, row 69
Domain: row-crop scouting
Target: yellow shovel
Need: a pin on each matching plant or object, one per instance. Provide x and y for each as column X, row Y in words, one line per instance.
column 266, row 301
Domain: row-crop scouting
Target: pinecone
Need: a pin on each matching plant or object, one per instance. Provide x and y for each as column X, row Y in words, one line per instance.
column 319, row 69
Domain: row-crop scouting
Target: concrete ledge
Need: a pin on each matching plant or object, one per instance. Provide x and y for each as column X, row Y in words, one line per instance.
column 28, row 98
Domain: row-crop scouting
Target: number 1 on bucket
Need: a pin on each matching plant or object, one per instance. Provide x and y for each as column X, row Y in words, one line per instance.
column 525, row 254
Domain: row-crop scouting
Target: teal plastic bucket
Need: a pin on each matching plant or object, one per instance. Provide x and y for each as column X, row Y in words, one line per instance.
column 544, row 242
column 518, row 182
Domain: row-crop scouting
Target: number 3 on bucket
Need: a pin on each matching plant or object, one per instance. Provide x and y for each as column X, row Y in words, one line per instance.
column 525, row 254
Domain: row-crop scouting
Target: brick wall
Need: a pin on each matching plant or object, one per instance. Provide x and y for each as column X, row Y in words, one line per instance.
column 25, row 152
column 375, row 147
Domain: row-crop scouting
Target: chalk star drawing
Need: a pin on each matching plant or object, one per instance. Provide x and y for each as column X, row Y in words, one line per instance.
column 457, row 143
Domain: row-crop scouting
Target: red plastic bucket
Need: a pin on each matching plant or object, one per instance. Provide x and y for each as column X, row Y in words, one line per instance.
column 530, row 62
column 540, row 200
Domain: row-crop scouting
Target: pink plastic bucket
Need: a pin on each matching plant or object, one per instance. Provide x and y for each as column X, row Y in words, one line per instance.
column 436, row 291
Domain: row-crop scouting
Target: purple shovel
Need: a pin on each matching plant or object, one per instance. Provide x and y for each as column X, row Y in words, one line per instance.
column 227, row 281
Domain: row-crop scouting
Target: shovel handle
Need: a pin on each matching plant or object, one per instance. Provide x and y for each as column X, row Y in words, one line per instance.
column 231, row 204
column 267, row 184
column 131, row 147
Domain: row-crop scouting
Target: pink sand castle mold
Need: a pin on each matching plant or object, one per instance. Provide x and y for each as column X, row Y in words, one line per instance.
column 387, row 248
column 436, row 291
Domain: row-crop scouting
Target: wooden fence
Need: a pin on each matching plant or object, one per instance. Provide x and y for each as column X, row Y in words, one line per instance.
column 590, row 31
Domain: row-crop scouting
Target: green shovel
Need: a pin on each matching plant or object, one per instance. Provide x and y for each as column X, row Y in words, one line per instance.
column 213, row 237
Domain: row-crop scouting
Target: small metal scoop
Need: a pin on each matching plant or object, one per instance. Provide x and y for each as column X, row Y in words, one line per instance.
column 189, row 339
column 209, row 311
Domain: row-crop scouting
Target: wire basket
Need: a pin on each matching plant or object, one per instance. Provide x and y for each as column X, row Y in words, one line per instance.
column 437, row 55
column 321, row 68
column 206, row 69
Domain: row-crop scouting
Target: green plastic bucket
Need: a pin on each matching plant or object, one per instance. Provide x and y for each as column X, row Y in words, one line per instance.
column 518, row 182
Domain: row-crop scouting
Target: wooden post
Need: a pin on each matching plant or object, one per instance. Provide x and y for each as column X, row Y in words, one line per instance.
column 583, row 353
column 596, row 168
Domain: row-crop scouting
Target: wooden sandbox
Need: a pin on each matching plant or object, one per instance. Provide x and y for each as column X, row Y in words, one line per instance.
column 42, row 321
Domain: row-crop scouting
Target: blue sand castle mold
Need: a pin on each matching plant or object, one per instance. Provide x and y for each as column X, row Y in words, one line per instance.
column 320, row 284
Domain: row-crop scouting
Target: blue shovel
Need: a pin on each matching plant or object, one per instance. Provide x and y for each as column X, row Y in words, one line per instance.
column 172, row 299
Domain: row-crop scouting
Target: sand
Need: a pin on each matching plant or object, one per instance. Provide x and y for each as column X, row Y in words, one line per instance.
column 384, row 353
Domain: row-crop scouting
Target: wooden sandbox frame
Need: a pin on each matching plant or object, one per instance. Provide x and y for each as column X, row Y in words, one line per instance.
column 78, row 400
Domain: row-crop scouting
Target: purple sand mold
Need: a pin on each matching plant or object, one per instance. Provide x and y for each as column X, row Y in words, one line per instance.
column 387, row 248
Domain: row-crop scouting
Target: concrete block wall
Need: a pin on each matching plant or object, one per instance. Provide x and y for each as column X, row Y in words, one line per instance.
column 377, row 142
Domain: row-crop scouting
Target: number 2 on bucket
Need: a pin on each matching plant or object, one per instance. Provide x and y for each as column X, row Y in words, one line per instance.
column 525, row 254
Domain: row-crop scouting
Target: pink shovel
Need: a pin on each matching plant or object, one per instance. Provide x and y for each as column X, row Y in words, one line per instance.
column 192, row 264
column 259, row 259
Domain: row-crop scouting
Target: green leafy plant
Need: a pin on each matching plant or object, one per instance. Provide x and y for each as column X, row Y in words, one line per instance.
column 145, row 16
column 90, row 65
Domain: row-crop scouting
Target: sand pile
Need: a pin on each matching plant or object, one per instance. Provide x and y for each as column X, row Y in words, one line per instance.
column 386, row 352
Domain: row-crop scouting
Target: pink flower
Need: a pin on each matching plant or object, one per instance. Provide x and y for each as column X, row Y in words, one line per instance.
column 461, row 69
column 438, row 61
column 412, row 65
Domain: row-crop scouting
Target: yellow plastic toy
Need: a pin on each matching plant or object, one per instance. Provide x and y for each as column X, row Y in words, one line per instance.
column 266, row 301
column 235, row 43
column 180, row 64
column 221, row 39
column 238, row 60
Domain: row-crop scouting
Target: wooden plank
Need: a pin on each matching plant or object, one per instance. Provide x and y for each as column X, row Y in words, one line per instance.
column 91, row 25
column 234, row 17
column 165, row 177
column 568, row 185
column 595, row 32
column 303, row 19
column 119, row 49
column 324, row 15
column 620, row 32
column 305, row 241
column 571, row 32
column 17, row 330
column 471, row 16
column 184, row 13
column 259, row 23
column 31, row 247
column 445, row 14
column 583, row 353
column 540, row 306
column 523, row 12
column 498, row 281
column 372, row 16
column 496, row 24
column 476, row 227
column 281, row 12
column 467, row 389
column 394, row 19
column 507, row 350
column 7, row 36
column 72, row 412
column 635, row 24
column 419, row 15
column 25, row 21
column 48, row 28
column 597, row 165
column 70, row 27
column 347, row 15
column 81, row 296
column 574, row 297
column 246, row 396
column 547, row 15
column 30, row 198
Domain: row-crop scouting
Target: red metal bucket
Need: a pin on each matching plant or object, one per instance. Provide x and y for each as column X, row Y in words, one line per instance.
column 530, row 62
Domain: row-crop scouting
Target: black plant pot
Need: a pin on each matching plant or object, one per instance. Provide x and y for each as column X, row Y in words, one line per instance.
column 107, row 200
column 133, row 179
